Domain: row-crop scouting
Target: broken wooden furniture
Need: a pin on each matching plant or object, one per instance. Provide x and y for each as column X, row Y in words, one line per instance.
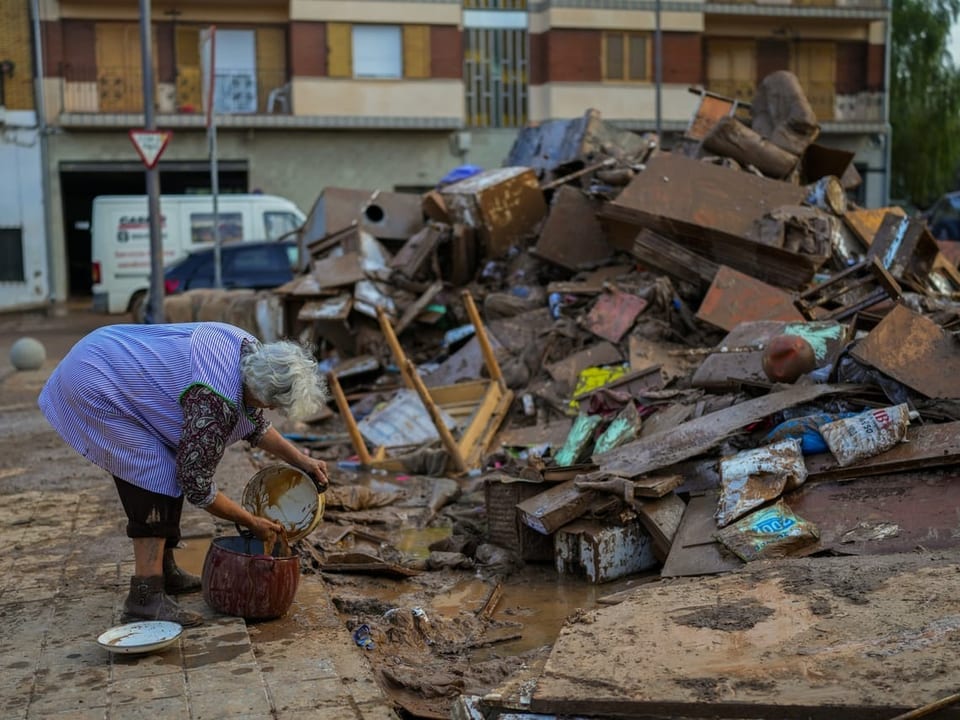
column 477, row 407
column 857, row 288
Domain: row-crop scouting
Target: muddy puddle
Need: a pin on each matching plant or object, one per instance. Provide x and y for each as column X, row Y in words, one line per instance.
column 536, row 597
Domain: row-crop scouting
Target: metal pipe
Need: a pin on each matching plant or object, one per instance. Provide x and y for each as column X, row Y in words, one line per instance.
column 155, row 309
column 42, row 135
column 658, row 72
column 888, row 130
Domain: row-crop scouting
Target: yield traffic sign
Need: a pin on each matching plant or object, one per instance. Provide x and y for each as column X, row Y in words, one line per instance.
column 150, row 145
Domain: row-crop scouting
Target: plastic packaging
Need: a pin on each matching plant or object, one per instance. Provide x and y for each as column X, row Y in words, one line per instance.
column 771, row 532
column 806, row 430
column 868, row 433
column 753, row 477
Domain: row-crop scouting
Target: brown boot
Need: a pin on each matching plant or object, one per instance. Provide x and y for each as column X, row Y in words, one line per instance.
column 148, row 601
column 175, row 580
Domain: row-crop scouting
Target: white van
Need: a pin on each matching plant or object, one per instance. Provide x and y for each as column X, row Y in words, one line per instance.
column 120, row 230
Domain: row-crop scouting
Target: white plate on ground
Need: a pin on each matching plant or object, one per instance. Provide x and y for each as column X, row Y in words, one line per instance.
column 140, row 637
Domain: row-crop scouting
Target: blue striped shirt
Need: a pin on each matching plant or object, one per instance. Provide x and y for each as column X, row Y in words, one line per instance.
column 115, row 397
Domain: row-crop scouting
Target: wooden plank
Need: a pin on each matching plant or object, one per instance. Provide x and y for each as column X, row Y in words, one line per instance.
column 669, row 257
column 696, row 436
column 926, row 446
column 552, row 509
column 359, row 444
column 471, row 443
column 418, row 306
column 817, row 639
column 415, row 252
column 879, row 515
column 694, row 551
column 714, row 209
column 914, row 350
column 661, row 518
column 465, row 392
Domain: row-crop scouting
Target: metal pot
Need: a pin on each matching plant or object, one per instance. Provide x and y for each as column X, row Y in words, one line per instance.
column 239, row 579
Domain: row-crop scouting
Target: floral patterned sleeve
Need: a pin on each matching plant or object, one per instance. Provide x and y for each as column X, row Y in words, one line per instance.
column 208, row 421
column 260, row 426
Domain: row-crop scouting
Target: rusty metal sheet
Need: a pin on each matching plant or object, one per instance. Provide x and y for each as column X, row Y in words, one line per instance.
column 613, row 314
column 503, row 205
column 880, row 515
column 817, row 639
column 386, row 215
column 904, row 245
column 572, row 236
column 714, row 210
column 734, row 298
column 338, row 270
column 866, row 222
column 915, row 351
column 820, row 161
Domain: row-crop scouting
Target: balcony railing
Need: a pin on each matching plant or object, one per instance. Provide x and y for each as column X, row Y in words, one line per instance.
column 844, row 4
column 120, row 90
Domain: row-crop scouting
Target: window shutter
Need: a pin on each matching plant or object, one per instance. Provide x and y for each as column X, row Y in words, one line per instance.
column 339, row 50
column 271, row 63
column 188, row 67
column 416, row 51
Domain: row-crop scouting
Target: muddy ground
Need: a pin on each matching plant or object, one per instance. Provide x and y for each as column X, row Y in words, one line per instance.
column 426, row 632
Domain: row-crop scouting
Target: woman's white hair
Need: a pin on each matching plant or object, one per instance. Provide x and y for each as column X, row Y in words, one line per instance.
column 284, row 375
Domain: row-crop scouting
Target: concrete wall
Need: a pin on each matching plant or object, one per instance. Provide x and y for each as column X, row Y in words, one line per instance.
column 21, row 205
column 293, row 164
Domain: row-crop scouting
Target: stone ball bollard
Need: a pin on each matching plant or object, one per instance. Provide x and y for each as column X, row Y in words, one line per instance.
column 27, row 354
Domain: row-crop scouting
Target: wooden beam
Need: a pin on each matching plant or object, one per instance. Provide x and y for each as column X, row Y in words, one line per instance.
column 490, row 359
column 446, row 437
column 352, row 428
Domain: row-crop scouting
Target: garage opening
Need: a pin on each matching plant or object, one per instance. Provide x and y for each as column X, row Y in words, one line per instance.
column 81, row 182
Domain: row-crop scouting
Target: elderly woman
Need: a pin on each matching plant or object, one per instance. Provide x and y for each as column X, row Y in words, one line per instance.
column 155, row 406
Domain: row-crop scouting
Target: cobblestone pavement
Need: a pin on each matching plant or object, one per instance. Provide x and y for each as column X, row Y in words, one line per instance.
column 66, row 564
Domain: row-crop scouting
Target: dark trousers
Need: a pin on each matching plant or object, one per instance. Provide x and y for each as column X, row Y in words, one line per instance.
column 150, row 514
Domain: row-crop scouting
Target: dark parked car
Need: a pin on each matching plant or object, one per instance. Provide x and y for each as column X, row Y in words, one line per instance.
column 944, row 217
column 255, row 265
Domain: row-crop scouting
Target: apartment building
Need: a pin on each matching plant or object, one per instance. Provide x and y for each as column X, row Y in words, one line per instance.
column 392, row 94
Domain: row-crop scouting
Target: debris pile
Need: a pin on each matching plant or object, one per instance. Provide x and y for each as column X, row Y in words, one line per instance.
column 643, row 360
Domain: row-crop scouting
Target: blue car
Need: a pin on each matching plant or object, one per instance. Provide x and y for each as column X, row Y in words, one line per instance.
column 254, row 265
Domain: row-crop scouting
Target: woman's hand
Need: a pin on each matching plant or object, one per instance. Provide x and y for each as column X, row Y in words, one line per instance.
column 317, row 470
column 266, row 529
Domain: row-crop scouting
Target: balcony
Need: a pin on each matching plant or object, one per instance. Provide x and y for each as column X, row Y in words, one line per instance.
column 108, row 95
column 865, row 9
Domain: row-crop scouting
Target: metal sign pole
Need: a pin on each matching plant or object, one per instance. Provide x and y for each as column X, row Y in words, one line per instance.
column 214, row 160
column 155, row 309
column 658, row 72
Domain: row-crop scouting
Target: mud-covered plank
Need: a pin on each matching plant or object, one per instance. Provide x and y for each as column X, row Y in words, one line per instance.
column 818, row 639
column 693, row 437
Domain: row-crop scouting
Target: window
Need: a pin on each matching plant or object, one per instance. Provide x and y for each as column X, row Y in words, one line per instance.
column 377, row 51
column 278, row 224
column 201, row 227
column 236, row 71
column 626, row 56
column 260, row 259
column 11, row 255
